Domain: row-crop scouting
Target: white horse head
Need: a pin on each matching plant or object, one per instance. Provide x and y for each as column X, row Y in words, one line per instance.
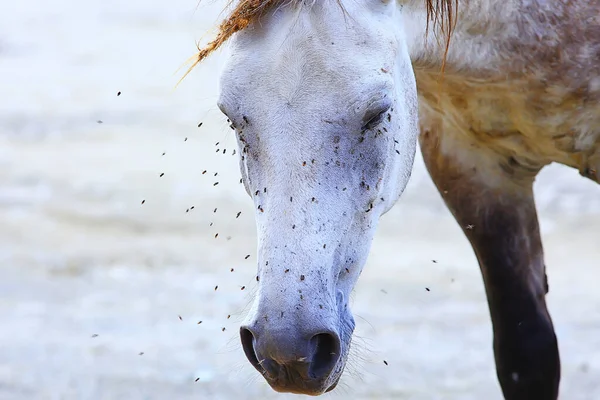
column 324, row 103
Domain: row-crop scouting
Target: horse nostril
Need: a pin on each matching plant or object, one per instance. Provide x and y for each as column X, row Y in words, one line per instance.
column 289, row 358
column 248, row 345
column 326, row 353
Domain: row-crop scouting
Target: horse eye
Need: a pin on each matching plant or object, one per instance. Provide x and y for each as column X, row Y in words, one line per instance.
column 374, row 117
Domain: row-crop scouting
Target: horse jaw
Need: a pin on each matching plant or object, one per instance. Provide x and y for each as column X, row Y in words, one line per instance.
column 325, row 109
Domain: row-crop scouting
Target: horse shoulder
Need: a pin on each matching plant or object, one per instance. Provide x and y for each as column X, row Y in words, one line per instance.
column 530, row 95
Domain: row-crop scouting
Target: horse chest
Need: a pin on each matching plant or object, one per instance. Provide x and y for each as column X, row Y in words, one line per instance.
column 535, row 123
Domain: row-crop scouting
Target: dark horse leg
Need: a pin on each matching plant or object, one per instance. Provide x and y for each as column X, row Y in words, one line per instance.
column 491, row 197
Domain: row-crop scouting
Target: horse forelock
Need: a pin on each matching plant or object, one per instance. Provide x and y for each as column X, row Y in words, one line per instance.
column 443, row 15
column 440, row 13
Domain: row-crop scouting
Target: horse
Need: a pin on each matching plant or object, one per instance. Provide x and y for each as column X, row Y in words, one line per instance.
column 328, row 100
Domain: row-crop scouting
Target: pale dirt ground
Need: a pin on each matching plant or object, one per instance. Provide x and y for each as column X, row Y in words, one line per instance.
column 80, row 256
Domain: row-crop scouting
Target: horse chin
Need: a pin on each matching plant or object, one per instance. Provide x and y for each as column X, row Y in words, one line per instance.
column 307, row 390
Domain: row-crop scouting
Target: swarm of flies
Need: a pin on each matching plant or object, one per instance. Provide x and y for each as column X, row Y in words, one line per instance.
column 220, row 150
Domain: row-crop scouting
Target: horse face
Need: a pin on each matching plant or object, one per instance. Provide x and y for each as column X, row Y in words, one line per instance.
column 323, row 100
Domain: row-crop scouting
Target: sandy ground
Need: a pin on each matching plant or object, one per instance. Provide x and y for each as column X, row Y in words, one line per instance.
column 101, row 296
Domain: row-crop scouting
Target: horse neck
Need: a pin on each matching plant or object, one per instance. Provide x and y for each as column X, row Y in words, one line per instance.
column 481, row 26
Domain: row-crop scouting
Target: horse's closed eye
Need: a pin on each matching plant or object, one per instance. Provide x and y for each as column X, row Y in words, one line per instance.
column 374, row 119
column 375, row 115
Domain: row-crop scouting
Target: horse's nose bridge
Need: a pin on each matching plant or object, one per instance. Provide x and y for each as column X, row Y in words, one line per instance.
column 297, row 311
column 296, row 318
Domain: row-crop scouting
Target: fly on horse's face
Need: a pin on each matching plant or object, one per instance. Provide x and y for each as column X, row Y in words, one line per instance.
column 324, row 103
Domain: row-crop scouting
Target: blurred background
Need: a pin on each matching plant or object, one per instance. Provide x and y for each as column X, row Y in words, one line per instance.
column 103, row 297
